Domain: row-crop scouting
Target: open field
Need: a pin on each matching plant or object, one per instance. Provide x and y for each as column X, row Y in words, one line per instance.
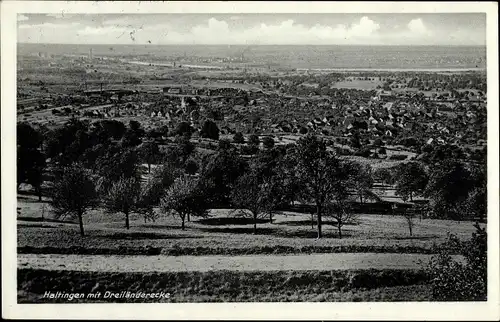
column 359, row 84
column 225, row 234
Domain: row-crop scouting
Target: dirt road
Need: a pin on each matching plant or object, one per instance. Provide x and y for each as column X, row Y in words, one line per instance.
column 117, row 263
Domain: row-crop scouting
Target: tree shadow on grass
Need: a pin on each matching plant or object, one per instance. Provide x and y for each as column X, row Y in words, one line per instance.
column 308, row 223
column 143, row 235
column 40, row 219
column 307, row 234
column 415, row 237
column 220, row 221
column 36, row 226
column 241, row 230
column 160, row 226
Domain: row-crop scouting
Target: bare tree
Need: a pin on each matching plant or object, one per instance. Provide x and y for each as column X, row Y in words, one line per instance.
column 409, row 215
column 342, row 213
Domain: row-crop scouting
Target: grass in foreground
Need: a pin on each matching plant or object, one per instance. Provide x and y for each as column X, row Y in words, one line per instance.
column 229, row 286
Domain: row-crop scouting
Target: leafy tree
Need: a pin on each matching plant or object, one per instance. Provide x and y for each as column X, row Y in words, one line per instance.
column 130, row 139
column 68, row 143
column 361, row 179
column 268, row 142
column 30, row 160
column 355, row 140
column 135, row 127
column 378, row 142
column 238, row 138
column 122, row 197
column 219, row 172
column 210, row 130
column 224, row 145
column 179, row 153
column 319, row 172
column 74, row 193
column 274, row 194
column 184, row 198
column 411, row 180
column 254, row 140
column 104, row 130
column 149, row 152
column 115, row 164
column 184, row 128
column 150, row 195
column 191, row 166
column 247, row 194
column 27, row 136
column 448, row 188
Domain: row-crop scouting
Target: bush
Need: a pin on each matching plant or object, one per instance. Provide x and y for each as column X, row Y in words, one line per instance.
column 268, row 142
column 398, row 157
column 254, row 139
column 238, row 138
column 364, row 152
column 210, row 130
column 454, row 281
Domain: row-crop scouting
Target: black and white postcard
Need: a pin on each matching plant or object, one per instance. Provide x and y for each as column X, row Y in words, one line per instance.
column 250, row 160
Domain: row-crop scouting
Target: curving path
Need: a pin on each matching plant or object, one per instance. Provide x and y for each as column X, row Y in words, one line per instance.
column 117, row 263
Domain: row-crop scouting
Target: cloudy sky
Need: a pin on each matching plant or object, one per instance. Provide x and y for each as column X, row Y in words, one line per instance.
column 279, row 29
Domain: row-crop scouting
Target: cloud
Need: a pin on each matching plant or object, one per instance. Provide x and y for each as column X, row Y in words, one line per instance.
column 285, row 32
column 366, row 30
column 21, row 17
column 417, row 26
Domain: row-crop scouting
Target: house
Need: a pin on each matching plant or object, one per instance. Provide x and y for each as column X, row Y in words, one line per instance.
column 382, row 94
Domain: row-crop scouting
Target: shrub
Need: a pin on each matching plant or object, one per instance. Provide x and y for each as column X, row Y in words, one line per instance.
column 268, row 142
column 397, row 157
column 364, row 152
column 210, row 130
column 454, row 281
column 238, row 138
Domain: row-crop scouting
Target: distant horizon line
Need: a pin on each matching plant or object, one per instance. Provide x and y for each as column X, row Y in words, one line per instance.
column 381, row 45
